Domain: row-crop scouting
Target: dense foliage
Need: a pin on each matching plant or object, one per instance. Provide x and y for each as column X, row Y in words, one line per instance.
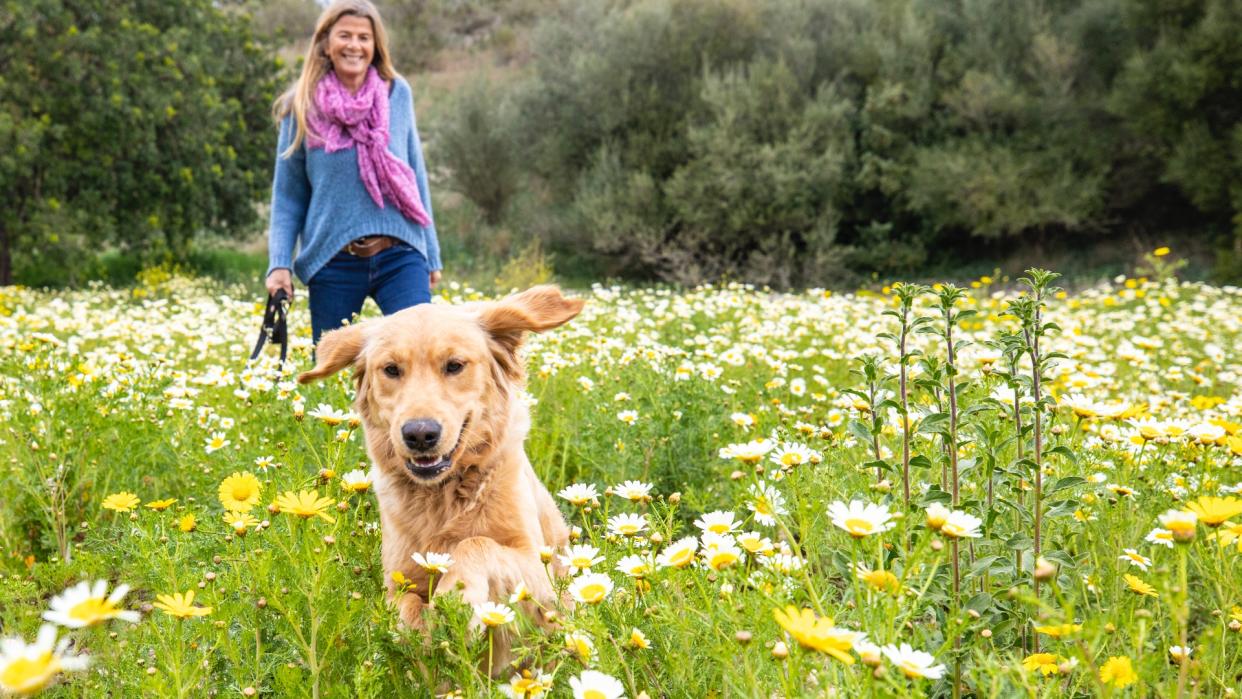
column 138, row 124
column 797, row 142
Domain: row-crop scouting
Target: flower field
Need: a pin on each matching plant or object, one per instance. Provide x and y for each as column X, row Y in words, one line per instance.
column 998, row 490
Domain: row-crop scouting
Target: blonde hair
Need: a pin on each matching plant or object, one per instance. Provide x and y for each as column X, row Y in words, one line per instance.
column 300, row 97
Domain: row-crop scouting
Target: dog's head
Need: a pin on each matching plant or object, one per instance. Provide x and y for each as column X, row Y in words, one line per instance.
column 436, row 383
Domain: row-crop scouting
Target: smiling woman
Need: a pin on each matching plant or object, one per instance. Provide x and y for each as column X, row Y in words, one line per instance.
column 350, row 189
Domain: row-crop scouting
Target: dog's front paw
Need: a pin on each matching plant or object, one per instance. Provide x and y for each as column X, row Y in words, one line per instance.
column 410, row 607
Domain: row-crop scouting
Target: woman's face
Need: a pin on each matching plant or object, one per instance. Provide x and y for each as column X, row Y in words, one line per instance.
column 351, row 44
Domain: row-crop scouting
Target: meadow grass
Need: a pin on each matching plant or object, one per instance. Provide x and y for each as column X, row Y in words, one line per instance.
column 730, row 424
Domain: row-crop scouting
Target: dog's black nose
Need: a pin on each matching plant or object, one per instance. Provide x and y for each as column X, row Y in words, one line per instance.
column 420, row 435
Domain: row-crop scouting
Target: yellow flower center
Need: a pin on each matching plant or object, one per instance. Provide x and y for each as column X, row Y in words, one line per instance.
column 592, row 593
column 26, row 675
column 953, row 530
column 682, row 558
column 859, row 527
column 720, row 559
column 92, row 610
column 593, row 694
column 911, row 670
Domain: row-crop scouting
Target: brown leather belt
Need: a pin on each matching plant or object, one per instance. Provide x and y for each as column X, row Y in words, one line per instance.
column 370, row 245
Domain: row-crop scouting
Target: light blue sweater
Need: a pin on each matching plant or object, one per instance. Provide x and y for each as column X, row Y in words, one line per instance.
column 318, row 198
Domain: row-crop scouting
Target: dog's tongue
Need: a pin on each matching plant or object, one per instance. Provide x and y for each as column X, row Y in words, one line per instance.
column 427, row 460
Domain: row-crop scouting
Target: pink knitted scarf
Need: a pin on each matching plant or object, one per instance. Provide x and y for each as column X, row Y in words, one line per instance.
column 340, row 120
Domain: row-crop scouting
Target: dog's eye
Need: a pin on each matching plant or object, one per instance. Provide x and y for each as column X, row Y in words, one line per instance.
column 454, row 367
column 392, row 370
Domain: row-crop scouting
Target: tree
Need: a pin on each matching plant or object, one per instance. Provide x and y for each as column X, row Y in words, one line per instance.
column 133, row 123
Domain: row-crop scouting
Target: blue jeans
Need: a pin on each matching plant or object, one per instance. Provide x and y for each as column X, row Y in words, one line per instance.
column 396, row 278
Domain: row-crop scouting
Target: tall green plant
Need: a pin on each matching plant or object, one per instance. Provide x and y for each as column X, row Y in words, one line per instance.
column 1029, row 311
column 906, row 296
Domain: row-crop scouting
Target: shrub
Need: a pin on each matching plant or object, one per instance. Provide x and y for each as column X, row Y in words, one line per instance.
column 475, row 140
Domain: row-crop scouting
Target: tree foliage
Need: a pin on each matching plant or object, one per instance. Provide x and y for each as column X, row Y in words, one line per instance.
column 133, row 123
column 791, row 141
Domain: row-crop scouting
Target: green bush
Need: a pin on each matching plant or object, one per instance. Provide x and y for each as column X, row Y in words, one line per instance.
column 804, row 141
column 132, row 124
column 475, row 142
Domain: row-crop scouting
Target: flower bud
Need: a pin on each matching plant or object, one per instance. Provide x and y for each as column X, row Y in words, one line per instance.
column 1044, row 569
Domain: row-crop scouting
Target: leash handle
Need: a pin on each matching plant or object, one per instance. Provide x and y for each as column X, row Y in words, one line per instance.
column 275, row 327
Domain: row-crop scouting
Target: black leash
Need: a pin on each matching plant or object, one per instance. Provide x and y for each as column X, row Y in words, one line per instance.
column 275, row 326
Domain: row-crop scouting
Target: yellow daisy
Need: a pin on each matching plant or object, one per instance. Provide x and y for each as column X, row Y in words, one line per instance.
column 818, row 633
column 121, row 502
column 180, row 605
column 1138, row 586
column 240, row 492
column 1044, row 663
column 1215, row 511
column 1119, row 672
column 306, row 504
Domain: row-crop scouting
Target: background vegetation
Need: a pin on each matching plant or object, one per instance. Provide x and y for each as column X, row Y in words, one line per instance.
column 790, row 142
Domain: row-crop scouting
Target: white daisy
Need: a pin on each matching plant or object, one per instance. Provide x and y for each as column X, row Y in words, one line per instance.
column 356, row 481
column 718, row 522
column 634, row 491
column 579, row 494
column 85, row 605
column 766, row 502
column 913, row 663
column 627, row 524
column 861, row 519
column 493, row 614
column 1161, row 537
column 591, row 588
column 580, row 557
column 961, row 525
column 28, row 668
column 635, row 566
column 679, row 554
column 1135, row 558
column 436, row 563
column 596, row 685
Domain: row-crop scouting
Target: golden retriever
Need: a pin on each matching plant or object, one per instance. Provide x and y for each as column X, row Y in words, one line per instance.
column 439, row 392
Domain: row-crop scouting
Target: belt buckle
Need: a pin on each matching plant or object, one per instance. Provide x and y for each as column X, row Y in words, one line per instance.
column 360, row 243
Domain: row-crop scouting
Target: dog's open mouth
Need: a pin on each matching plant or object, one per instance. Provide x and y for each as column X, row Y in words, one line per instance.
column 430, row 466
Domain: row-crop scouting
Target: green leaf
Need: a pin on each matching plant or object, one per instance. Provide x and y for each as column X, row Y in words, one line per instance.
column 1066, row 482
column 1020, row 542
column 981, row 565
column 935, row 494
column 1063, row 451
column 936, row 423
column 920, row 461
column 880, row 464
column 859, row 429
column 979, row 603
column 1060, row 557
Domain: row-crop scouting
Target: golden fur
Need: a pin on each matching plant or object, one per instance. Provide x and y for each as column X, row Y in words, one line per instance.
column 487, row 508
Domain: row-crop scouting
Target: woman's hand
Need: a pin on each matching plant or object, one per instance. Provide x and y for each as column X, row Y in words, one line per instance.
column 280, row 278
column 435, row 278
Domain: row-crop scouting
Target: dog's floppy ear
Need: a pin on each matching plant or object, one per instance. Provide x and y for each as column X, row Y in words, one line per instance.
column 534, row 310
column 336, row 350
